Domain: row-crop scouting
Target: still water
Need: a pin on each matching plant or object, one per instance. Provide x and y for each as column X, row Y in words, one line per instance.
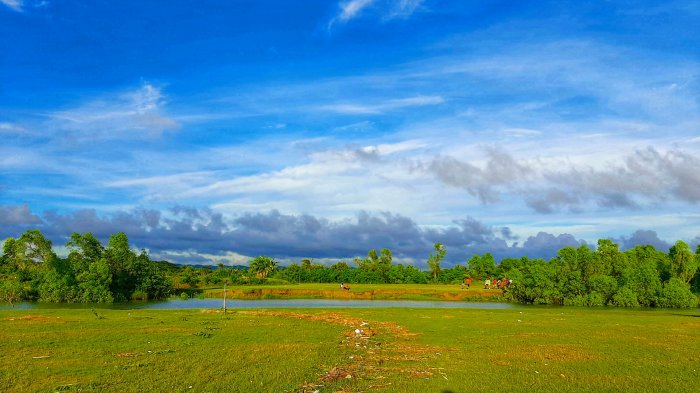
column 267, row 303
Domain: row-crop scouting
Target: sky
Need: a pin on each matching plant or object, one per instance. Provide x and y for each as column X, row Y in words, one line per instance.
column 218, row 131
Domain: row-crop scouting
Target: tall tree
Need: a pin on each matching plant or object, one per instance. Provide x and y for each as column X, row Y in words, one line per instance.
column 683, row 262
column 435, row 259
column 83, row 250
column 29, row 253
column 481, row 266
column 262, row 266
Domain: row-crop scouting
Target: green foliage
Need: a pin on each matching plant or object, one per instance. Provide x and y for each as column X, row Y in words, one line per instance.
column 676, row 294
column 11, row 291
column 263, row 266
column 90, row 273
column 434, row 260
column 482, row 267
column 684, row 264
column 641, row 276
column 625, row 297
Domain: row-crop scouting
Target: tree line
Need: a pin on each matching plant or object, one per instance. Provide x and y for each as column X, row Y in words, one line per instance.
column 641, row 276
column 91, row 273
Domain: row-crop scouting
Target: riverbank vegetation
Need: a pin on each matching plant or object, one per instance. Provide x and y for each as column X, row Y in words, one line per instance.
column 91, row 273
column 540, row 349
column 604, row 276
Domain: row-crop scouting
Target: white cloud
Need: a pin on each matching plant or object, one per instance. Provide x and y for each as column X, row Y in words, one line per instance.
column 404, row 8
column 134, row 114
column 352, row 8
column 13, row 129
column 14, row 4
column 382, row 107
column 387, row 9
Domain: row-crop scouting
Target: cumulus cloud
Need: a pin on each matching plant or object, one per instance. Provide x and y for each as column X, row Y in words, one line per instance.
column 543, row 243
column 645, row 175
column 17, row 215
column 500, row 170
column 641, row 178
column 194, row 235
column 549, row 201
column 643, row 237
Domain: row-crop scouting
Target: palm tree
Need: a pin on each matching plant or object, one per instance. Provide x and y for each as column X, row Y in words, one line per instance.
column 262, row 266
column 434, row 260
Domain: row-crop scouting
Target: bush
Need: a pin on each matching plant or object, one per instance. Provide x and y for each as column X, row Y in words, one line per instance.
column 676, row 294
column 11, row 292
column 577, row 301
column 276, row 281
column 625, row 297
column 595, row 299
column 139, row 295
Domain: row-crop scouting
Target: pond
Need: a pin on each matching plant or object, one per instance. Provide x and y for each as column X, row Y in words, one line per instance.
column 176, row 303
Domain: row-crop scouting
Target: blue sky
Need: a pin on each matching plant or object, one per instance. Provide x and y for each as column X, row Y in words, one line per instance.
column 224, row 130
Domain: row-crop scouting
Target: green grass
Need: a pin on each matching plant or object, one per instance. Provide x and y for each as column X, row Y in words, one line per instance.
column 523, row 349
column 360, row 291
column 161, row 351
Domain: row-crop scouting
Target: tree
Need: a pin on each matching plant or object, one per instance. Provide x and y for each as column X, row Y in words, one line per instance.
column 683, row 262
column 95, row 283
column 11, row 291
column 262, row 266
column 83, row 250
column 29, row 251
column 123, row 266
column 481, row 266
column 435, row 259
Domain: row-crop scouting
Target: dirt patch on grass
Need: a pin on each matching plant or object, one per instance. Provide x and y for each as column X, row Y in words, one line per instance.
column 28, row 318
column 375, row 352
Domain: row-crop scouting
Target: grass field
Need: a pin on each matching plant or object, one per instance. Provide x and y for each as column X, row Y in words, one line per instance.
column 360, row 291
column 397, row 350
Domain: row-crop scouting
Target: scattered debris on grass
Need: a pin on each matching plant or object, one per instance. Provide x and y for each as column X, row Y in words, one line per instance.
column 377, row 349
column 336, row 374
column 128, row 355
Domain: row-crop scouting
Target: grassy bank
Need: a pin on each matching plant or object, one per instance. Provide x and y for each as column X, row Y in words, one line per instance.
column 359, row 292
column 397, row 350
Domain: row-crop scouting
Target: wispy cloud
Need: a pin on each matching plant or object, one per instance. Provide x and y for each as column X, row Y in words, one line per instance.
column 403, row 8
column 351, row 9
column 14, row 4
column 385, row 9
column 133, row 114
column 382, row 107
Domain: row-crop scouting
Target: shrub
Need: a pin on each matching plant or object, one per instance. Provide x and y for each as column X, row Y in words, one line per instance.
column 625, row 297
column 578, row 301
column 595, row 299
column 276, row 281
column 139, row 295
column 676, row 294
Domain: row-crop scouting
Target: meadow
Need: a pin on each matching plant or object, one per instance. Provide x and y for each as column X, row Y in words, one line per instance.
column 359, row 291
column 560, row 349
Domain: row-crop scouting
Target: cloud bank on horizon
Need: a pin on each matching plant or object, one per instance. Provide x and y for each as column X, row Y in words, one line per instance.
column 325, row 129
